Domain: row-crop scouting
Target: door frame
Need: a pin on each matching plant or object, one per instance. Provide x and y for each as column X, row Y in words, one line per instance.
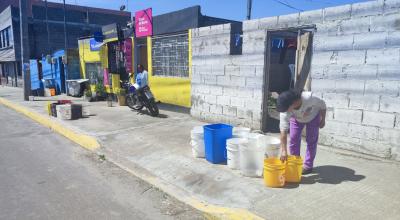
column 267, row 58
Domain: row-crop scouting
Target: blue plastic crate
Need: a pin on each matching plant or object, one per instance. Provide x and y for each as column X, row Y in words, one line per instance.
column 215, row 136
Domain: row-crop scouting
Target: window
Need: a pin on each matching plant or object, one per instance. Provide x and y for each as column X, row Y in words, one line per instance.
column 170, row 55
column 6, row 38
column 94, row 73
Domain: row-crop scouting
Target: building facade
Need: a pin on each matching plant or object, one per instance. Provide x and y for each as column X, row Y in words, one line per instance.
column 47, row 35
column 351, row 55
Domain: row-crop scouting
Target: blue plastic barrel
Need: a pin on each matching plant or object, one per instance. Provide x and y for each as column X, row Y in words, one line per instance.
column 215, row 136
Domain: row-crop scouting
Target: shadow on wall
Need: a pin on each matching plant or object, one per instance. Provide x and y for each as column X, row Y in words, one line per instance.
column 331, row 175
column 328, row 175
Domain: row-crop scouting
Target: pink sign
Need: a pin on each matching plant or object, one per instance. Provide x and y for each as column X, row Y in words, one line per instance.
column 144, row 23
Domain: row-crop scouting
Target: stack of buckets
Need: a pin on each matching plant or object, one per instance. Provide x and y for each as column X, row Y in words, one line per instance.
column 254, row 154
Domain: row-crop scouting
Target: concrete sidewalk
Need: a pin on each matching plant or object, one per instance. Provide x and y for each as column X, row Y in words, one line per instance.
column 344, row 185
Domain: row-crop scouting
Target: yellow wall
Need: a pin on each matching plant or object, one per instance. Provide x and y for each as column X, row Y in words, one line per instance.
column 171, row 90
column 86, row 55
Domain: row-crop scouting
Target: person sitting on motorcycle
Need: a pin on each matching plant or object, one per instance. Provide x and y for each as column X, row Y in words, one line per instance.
column 141, row 77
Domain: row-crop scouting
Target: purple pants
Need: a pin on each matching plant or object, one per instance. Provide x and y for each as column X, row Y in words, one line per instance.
column 312, row 133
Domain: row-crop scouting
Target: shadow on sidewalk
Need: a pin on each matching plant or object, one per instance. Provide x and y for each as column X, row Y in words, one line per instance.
column 331, row 175
column 328, row 175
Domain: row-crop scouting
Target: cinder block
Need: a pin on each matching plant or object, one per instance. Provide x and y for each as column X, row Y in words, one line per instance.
column 390, row 136
column 216, row 109
column 291, row 20
column 250, row 25
column 363, row 132
column 397, row 126
column 311, row 17
column 254, row 82
column 388, row 22
column 216, row 90
column 223, row 100
column 370, row 40
column 260, row 70
column 211, row 99
column 369, row 102
column 383, row 56
column 351, row 57
column 336, row 128
column 389, row 72
column 393, row 39
column 247, row 70
column 204, row 31
column 195, row 113
column 361, row 72
column 238, row 102
column 348, row 115
column 380, row 87
column 329, row 28
column 219, row 29
column 318, row 72
column 258, row 94
column 333, row 43
column 324, row 58
column 229, row 111
column 245, row 93
column 204, row 107
column 238, row 81
column 253, row 59
column 257, row 115
column 232, row 70
column 268, row 23
column 335, row 100
column 390, row 104
column 203, row 89
column 209, row 79
column 223, row 80
column 323, row 85
column 355, row 26
column 337, row 13
column 374, row 148
column 350, row 86
column 229, row 91
column 218, row 70
column 335, row 72
column 391, row 6
column 196, row 79
column 227, row 26
column 253, row 104
column 245, row 114
column 347, row 143
column 379, row 119
column 367, row 8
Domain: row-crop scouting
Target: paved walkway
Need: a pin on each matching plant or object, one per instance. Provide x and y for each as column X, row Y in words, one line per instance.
column 344, row 185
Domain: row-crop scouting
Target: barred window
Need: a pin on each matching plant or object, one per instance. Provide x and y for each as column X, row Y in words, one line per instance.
column 170, row 55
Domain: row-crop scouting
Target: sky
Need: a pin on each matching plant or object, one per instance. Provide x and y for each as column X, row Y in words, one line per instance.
column 228, row 9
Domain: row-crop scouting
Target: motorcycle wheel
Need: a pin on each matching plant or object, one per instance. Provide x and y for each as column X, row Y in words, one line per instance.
column 131, row 101
column 153, row 108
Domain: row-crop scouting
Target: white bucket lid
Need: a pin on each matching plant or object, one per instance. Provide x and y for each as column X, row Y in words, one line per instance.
column 234, row 143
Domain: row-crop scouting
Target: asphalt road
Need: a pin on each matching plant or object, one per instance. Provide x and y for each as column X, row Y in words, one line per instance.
column 45, row 176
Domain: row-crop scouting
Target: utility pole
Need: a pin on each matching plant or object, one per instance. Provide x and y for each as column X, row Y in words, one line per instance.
column 47, row 29
column 23, row 23
column 249, row 6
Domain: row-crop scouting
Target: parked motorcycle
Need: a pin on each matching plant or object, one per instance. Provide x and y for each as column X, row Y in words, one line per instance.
column 136, row 99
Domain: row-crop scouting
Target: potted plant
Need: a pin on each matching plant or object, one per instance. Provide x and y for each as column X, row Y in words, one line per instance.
column 100, row 91
column 121, row 97
column 88, row 95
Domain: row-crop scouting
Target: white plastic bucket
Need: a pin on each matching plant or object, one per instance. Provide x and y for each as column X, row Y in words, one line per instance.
column 251, row 160
column 233, row 153
column 240, row 132
column 273, row 147
column 197, row 142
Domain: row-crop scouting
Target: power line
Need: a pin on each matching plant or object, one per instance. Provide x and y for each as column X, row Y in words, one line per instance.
column 287, row 5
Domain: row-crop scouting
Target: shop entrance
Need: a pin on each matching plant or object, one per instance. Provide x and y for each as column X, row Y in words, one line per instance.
column 142, row 57
column 287, row 66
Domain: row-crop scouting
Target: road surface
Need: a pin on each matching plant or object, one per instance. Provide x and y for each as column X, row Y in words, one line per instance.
column 45, row 176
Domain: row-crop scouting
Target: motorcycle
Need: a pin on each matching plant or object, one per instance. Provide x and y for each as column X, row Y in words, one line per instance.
column 136, row 98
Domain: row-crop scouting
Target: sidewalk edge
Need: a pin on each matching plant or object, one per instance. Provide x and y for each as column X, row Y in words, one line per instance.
column 85, row 141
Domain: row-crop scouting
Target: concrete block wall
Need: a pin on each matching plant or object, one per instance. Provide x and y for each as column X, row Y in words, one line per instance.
column 225, row 88
column 355, row 69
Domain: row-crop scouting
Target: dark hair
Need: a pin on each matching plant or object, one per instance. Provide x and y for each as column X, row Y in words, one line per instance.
column 140, row 66
column 286, row 99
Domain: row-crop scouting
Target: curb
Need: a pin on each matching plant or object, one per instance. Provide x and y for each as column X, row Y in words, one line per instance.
column 211, row 212
column 85, row 141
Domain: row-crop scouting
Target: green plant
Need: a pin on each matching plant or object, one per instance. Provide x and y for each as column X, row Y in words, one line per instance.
column 88, row 93
column 100, row 89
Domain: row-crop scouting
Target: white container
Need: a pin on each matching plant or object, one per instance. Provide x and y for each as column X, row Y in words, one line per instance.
column 251, row 160
column 240, row 132
column 233, row 153
column 197, row 142
column 273, row 147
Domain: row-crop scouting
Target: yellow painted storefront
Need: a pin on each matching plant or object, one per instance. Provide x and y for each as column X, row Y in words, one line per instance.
column 170, row 90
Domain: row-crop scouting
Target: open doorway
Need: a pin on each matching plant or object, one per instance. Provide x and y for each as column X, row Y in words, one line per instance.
column 142, row 53
column 287, row 66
